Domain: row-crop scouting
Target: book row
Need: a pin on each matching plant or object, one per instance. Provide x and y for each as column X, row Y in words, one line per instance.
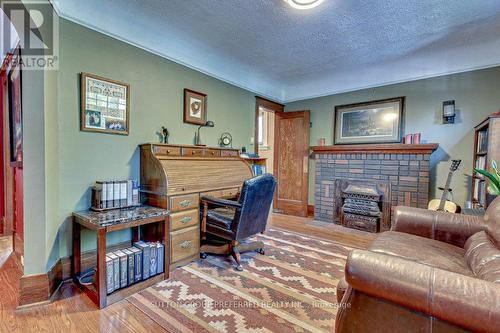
column 482, row 141
column 115, row 194
column 134, row 264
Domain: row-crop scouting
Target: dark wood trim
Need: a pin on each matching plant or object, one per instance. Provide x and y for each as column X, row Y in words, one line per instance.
column 310, row 210
column 269, row 105
column 33, row 289
column 17, row 244
column 389, row 148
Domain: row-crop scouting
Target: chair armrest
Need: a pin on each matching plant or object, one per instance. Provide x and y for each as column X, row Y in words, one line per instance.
column 451, row 228
column 220, row 202
column 461, row 300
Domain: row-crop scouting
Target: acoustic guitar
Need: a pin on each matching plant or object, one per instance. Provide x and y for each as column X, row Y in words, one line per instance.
column 442, row 204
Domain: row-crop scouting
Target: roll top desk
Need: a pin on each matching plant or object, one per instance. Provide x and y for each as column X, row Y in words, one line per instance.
column 174, row 177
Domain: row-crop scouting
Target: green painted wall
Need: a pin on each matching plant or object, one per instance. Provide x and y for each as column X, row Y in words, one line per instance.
column 476, row 94
column 156, row 99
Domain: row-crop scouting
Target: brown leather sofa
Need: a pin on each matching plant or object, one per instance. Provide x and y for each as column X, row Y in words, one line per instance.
column 433, row 272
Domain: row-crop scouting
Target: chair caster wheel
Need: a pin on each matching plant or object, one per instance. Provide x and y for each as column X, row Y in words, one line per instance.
column 239, row 268
column 261, row 251
column 203, row 255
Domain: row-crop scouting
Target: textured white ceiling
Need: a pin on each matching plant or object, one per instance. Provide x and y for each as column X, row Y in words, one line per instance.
column 288, row 54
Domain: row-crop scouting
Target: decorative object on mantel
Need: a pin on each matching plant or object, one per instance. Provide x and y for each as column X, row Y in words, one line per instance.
column 416, row 138
column 408, row 139
column 370, row 122
column 197, row 137
column 449, row 112
column 195, row 107
column 108, row 195
column 226, row 140
column 165, row 134
column 105, row 105
column 322, row 141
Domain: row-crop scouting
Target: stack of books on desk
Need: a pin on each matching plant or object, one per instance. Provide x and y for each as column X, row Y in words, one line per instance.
column 115, row 194
column 128, row 266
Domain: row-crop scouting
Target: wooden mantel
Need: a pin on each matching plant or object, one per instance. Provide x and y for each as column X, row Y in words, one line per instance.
column 388, row 148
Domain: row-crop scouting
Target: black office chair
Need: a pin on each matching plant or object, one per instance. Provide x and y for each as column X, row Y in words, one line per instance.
column 227, row 223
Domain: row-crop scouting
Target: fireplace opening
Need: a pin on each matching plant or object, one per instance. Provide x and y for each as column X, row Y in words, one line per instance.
column 363, row 205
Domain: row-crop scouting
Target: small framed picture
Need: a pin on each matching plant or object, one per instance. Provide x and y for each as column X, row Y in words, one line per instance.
column 370, row 122
column 195, row 107
column 105, row 105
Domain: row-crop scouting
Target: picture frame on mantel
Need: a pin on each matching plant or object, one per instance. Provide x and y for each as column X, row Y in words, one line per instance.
column 380, row 121
column 195, row 107
column 105, row 105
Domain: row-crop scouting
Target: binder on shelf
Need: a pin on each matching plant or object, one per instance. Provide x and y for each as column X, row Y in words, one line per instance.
column 116, row 270
column 109, row 195
column 110, row 284
column 146, row 258
column 123, row 193
column 123, row 268
column 130, row 188
column 116, row 194
column 137, row 263
column 160, row 253
column 131, row 267
column 154, row 264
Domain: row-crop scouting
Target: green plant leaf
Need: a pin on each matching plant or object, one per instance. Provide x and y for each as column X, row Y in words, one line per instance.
column 495, row 180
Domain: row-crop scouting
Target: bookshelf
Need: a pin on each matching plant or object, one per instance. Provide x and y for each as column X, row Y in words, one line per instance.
column 258, row 164
column 486, row 149
column 150, row 223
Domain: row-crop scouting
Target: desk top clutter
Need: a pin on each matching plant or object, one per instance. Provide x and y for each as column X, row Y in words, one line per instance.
column 118, row 216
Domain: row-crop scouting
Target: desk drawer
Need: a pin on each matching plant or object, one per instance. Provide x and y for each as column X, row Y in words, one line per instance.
column 185, row 243
column 184, row 219
column 184, row 202
column 170, row 151
column 229, row 153
column 213, row 153
column 196, row 152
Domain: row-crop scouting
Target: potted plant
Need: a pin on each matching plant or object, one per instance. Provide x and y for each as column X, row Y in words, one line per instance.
column 494, row 177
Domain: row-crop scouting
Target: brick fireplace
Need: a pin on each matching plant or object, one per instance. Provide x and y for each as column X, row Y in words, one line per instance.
column 390, row 175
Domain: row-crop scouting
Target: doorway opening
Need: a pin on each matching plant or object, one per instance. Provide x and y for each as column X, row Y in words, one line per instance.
column 265, row 111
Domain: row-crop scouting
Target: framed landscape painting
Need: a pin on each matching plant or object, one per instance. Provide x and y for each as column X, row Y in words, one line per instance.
column 195, row 107
column 370, row 122
column 105, row 105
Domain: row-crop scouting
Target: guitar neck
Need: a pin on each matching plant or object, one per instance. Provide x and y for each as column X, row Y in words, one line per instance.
column 445, row 192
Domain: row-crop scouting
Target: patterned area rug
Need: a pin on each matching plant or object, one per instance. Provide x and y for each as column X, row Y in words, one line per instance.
column 290, row 289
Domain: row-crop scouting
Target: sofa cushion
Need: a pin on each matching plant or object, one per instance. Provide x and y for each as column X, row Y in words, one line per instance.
column 483, row 257
column 422, row 250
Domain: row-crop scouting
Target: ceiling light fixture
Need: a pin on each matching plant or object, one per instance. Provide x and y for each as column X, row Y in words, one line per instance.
column 304, row 4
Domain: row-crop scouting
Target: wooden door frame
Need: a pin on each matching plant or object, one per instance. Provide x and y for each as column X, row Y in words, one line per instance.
column 305, row 161
column 268, row 105
column 5, row 170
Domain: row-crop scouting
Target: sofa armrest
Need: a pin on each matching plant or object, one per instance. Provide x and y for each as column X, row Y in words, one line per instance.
column 461, row 300
column 220, row 202
column 451, row 228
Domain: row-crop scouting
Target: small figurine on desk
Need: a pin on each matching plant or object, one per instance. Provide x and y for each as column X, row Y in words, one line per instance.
column 165, row 134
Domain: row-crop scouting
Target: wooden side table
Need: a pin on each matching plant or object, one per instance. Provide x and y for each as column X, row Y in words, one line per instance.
column 150, row 223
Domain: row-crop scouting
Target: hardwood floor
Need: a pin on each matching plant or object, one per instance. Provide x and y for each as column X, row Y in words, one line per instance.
column 73, row 311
